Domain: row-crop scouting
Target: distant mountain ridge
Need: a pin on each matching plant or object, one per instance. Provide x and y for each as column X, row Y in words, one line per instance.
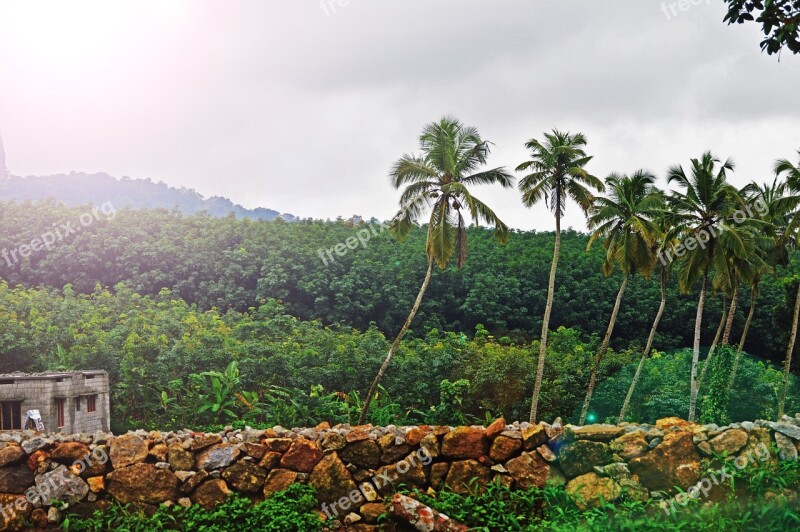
column 77, row 188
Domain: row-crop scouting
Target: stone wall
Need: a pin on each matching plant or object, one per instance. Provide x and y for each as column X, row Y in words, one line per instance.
column 355, row 469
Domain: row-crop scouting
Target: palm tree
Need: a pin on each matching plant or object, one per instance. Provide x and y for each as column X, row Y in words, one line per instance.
column 702, row 209
column 665, row 245
column 784, row 166
column 439, row 179
column 773, row 209
column 557, row 172
column 625, row 220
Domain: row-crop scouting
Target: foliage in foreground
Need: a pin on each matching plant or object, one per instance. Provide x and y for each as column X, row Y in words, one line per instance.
column 500, row 508
column 292, row 510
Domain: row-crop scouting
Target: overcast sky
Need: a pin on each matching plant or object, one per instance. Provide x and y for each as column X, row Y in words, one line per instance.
column 303, row 107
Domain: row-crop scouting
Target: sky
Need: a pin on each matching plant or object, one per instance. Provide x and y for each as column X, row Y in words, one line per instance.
column 302, row 106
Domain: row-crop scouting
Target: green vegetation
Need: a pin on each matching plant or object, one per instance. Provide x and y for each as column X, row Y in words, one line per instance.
column 293, row 510
column 754, row 497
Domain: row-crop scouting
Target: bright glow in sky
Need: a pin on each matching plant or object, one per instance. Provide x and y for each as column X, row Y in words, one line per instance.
column 282, row 104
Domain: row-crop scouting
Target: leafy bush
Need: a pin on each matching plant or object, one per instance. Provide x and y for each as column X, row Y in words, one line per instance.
column 293, row 510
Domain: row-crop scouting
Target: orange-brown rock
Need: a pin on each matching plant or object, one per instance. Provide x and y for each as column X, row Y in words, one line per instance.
column 302, row 456
column 127, row 450
column 11, row 455
column 332, row 481
column 467, row 476
column 465, row 442
column 529, row 470
column 211, row 493
column 674, row 462
column 142, row 483
column 245, row 477
column 495, row 428
column 279, row 480
column 504, row 448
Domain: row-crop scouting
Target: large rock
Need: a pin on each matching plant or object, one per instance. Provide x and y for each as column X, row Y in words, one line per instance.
column 302, row 456
column 279, row 480
column 504, row 447
column 465, row 442
column 202, row 441
column 61, row 485
column 217, row 456
column 673, row 463
column 604, row 433
column 467, row 476
column 630, row 445
column 534, row 436
column 180, row 459
column 786, row 447
column 142, row 483
column 69, row 452
column 17, row 511
column 408, row 472
column 211, row 493
column 787, row 429
column 15, row 479
column 422, row 517
column 11, row 455
column 529, row 470
column 495, row 428
column 729, row 442
column 245, row 477
column 365, row 453
column 128, row 450
column 332, row 480
column 582, row 456
column 590, row 490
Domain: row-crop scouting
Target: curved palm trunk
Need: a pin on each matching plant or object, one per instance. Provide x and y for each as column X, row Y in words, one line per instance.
column 647, row 349
column 698, row 324
column 787, row 364
column 602, row 351
column 707, row 362
column 551, row 285
column 374, row 388
column 731, row 313
column 741, row 341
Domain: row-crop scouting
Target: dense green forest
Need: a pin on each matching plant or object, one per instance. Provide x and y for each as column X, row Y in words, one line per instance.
column 236, row 264
column 166, row 302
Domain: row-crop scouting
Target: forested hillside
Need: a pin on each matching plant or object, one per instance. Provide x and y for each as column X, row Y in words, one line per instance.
column 229, row 263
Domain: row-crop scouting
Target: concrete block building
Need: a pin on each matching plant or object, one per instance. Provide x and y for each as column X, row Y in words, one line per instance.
column 69, row 402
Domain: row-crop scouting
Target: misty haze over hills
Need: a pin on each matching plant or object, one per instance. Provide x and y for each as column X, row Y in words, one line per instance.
column 80, row 189
column 77, row 188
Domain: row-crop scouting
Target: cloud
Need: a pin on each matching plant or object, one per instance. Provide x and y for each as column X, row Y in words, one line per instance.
column 277, row 104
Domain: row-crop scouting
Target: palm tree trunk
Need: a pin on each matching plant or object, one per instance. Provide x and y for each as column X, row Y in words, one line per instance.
column 713, row 348
column 602, row 351
column 698, row 324
column 647, row 349
column 742, row 340
column 374, row 388
column 731, row 313
column 551, row 286
column 787, row 365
